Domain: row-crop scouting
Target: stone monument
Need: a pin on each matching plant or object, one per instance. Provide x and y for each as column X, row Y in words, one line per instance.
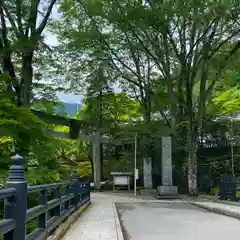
column 166, row 189
column 147, row 177
column 147, row 172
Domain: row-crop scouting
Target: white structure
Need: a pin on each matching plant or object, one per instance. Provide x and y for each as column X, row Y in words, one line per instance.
column 121, row 179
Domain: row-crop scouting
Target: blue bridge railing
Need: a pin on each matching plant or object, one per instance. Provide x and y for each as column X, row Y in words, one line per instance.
column 68, row 198
column 228, row 188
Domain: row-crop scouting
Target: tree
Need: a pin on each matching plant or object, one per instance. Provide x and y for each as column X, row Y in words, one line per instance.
column 180, row 39
column 21, row 37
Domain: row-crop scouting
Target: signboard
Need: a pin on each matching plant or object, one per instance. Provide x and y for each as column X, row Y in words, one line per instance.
column 136, row 174
column 121, row 180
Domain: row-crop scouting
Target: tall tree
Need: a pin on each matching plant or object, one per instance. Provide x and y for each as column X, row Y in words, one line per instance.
column 22, row 25
column 181, row 39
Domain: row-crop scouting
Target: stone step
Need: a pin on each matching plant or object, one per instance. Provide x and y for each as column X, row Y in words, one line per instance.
column 161, row 197
column 149, row 192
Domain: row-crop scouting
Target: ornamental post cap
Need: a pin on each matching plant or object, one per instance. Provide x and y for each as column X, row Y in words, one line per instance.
column 17, row 159
column 75, row 175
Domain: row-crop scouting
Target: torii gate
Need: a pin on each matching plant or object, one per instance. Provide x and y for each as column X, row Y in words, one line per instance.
column 75, row 125
column 74, row 133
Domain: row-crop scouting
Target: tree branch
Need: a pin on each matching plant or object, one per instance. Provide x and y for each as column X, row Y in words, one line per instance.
column 45, row 19
column 32, row 21
column 10, row 19
column 19, row 16
column 107, row 44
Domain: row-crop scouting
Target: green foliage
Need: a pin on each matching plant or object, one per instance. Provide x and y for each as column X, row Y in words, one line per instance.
column 85, row 170
column 116, row 108
column 16, row 120
column 227, row 102
column 22, row 24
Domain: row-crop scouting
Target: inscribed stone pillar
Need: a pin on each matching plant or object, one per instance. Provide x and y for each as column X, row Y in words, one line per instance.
column 167, row 189
column 166, row 161
column 147, row 172
column 96, row 161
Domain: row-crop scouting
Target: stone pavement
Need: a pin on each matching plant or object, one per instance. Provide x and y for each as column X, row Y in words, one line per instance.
column 171, row 220
column 99, row 221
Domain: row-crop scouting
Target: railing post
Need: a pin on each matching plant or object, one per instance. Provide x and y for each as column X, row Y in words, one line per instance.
column 221, row 189
column 67, row 203
column 57, row 209
column 42, row 219
column 85, row 186
column 9, row 211
column 88, row 189
column 234, row 189
column 80, row 192
column 75, row 186
column 16, row 180
column 85, row 191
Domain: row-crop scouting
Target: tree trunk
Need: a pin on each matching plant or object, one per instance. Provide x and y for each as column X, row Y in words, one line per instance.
column 192, row 163
column 192, row 139
column 117, row 156
column 26, row 78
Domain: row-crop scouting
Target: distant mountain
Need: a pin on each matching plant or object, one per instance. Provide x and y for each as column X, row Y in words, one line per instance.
column 68, row 108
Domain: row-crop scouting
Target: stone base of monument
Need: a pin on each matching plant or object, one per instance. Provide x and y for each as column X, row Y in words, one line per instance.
column 167, row 190
column 148, row 192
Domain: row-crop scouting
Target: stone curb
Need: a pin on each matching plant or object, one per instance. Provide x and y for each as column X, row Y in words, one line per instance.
column 148, row 201
column 62, row 229
column 235, row 204
column 222, row 211
column 117, row 223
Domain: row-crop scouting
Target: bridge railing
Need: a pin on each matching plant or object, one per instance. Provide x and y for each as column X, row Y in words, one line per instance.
column 228, row 188
column 68, row 198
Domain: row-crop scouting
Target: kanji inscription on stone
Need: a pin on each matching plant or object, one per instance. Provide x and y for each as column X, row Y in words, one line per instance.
column 166, row 161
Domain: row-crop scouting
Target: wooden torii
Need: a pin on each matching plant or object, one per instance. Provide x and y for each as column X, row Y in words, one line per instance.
column 74, row 133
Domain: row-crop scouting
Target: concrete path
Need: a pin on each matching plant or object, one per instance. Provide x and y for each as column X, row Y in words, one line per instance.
column 174, row 220
column 99, row 221
column 145, row 218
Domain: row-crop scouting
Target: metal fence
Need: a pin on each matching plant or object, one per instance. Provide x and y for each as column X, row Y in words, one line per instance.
column 68, row 198
column 228, row 188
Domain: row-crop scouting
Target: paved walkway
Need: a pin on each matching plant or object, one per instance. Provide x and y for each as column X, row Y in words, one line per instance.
column 171, row 220
column 100, row 221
